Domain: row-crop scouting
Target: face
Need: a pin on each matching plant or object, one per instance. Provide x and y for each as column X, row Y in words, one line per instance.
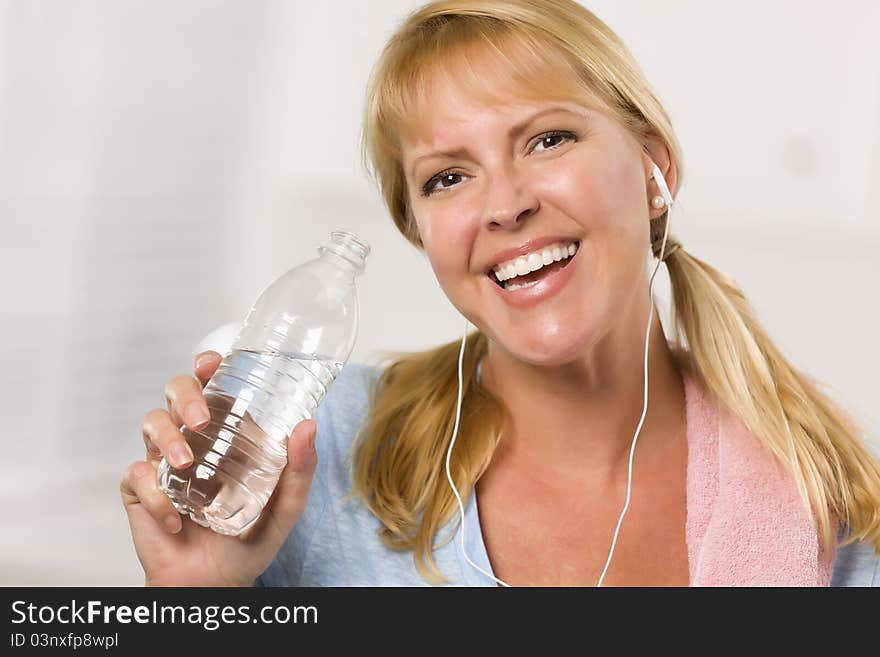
column 519, row 184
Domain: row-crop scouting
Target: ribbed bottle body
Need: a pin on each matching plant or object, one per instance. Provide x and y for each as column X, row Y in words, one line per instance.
column 255, row 400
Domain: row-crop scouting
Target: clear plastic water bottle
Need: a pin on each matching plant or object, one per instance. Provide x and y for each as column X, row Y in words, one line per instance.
column 293, row 343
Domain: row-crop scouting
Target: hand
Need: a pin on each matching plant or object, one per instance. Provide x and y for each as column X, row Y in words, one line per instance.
column 175, row 551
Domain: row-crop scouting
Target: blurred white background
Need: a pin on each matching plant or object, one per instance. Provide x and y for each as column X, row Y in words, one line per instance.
column 161, row 161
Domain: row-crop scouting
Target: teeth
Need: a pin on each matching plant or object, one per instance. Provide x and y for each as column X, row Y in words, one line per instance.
column 517, row 286
column 533, row 262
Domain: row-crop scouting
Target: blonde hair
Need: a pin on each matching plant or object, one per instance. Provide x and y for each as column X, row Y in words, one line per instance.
column 558, row 49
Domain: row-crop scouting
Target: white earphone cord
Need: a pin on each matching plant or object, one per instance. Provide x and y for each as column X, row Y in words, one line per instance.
column 667, row 197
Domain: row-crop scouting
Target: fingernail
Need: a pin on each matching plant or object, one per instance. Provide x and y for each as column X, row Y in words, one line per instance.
column 203, row 359
column 196, row 415
column 172, row 522
column 312, row 443
column 180, row 454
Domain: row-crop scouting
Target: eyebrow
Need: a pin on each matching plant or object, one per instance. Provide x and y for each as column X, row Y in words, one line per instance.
column 513, row 133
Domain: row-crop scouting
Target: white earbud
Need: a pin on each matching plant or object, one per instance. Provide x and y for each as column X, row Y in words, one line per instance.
column 657, row 175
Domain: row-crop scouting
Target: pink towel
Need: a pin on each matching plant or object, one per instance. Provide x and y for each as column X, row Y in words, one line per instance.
column 746, row 524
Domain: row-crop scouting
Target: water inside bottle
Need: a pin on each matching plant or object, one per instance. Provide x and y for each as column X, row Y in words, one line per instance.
column 255, row 400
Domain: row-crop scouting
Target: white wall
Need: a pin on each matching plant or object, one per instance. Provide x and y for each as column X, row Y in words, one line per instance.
column 161, row 161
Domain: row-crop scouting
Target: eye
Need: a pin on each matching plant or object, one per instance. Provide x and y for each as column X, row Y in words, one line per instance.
column 552, row 140
column 443, row 177
column 447, row 179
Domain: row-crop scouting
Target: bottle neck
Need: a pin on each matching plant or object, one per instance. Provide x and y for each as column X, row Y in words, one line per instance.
column 342, row 262
column 349, row 250
column 346, row 250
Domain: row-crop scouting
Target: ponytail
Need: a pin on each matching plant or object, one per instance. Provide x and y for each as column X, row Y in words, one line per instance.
column 739, row 364
column 397, row 469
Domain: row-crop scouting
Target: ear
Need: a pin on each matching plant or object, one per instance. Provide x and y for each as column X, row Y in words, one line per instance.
column 656, row 151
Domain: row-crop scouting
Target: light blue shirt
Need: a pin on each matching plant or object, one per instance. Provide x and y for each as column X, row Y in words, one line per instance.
column 336, row 542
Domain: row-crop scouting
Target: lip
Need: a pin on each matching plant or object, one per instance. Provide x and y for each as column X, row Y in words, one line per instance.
column 548, row 286
column 527, row 247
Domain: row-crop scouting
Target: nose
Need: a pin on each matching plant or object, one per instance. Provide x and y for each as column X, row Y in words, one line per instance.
column 509, row 201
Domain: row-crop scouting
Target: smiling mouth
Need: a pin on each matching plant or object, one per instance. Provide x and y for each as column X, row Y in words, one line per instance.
column 527, row 280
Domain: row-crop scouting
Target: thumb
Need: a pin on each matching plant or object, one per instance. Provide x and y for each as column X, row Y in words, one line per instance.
column 292, row 491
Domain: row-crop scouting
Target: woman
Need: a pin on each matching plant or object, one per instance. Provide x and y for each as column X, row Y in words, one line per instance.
column 519, row 145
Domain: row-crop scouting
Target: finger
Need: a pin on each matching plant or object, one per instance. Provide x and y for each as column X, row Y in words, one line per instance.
column 291, row 493
column 163, row 438
column 139, row 487
column 185, row 401
column 205, row 364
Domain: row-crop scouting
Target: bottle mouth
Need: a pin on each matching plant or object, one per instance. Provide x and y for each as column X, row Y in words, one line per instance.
column 355, row 243
column 349, row 246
